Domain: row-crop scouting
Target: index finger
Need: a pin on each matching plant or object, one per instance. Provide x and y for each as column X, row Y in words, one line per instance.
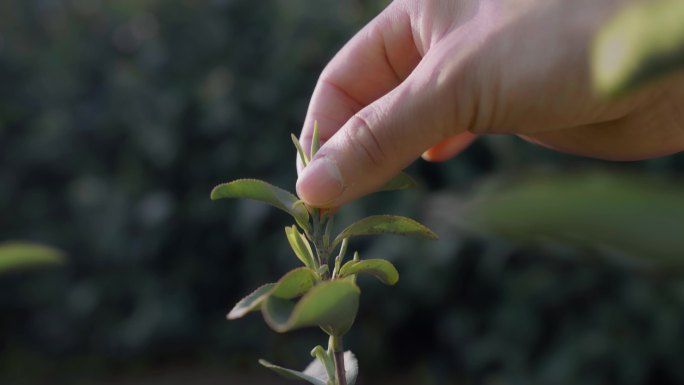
column 375, row 61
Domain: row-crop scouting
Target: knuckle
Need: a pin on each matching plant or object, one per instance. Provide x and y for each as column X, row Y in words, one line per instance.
column 364, row 141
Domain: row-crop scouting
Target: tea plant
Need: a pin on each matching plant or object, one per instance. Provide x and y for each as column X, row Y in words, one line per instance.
column 323, row 292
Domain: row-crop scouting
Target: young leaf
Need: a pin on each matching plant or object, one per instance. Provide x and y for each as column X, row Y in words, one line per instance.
column 380, row 268
column 640, row 43
column 400, row 182
column 351, row 366
column 293, row 374
column 385, row 224
column 264, row 192
column 332, row 305
column 300, row 150
column 295, row 283
column 19, row 255
column 301, row 247
column 315, row 140
column 323, row 366
column 252, row 302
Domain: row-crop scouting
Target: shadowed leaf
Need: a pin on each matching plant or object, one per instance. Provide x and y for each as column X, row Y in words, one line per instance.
column 252, row 302
column 382, row 269
column 263, row 192
column 331, row 305
column 386, row 224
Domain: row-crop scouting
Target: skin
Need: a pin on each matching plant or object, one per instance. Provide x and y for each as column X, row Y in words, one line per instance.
column 427, row 77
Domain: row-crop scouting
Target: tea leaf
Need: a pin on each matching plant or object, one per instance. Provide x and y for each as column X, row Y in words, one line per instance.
column 380, row 268
column 332, row 305
column 263, row 192
column 252, row 302
column 386, row 224
column 301, row 247
column 295, row 283
column 642, row 42
column 315, row 140
column 300, row 150
column 400, row 182
column 20, row 255
column 293, row 374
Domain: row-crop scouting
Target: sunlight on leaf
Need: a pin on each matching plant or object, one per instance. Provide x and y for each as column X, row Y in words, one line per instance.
column 386, row 224
column 382, row 269
column 293, row 374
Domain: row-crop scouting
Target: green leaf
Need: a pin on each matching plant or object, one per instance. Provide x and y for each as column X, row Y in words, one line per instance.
column 399, row 182
column 351, row 368
column 634, row 218
column 380, row 268
column 295, row 283
column 252, row 302
column 301, row 247
column 263, row 192
column 20, row 255
column 315, row 140
column 293, row 374
column 640, row 43
column 332, row 305
column 386, row 224
column 300, row 150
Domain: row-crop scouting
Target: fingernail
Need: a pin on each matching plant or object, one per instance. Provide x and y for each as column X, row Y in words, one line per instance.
column 320, row 183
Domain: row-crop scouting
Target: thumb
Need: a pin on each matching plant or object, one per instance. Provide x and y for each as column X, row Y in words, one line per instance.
column 378, row 142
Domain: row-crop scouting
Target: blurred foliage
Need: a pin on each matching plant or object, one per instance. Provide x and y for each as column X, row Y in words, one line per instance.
column 643, row 42
column 117, row 118
column 20, row 255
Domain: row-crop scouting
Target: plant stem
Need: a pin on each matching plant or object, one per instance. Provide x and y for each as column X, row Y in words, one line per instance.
column 338, row 354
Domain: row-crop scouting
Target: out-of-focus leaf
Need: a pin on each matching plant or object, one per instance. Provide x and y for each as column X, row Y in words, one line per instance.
column 632, row 216
column 386, row 224
column 331, row 305
column 642, row 42
column 252, row 302
column 301, row 247
column 351, row 368
column 263, row 192
column 293, row 374
column 382, row 269
column 399, row 182
column 20, row 255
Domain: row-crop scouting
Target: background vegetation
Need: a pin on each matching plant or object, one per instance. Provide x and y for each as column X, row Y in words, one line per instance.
column 118, row 117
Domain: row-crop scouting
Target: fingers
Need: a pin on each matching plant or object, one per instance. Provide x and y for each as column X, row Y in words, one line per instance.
column 377, row 143
column 373, row 63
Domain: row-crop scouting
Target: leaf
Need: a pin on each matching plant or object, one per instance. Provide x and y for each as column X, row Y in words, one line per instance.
column 295, row 283
column 300, row 150
column 640, row 43
column 386, row 224
column 636, row 218
column 263, row 192
column 351, row 368
column 21, row 255
column 301, row 247
column 400, row 182
column 382, row 269
column 252, row 302
column 315, row 140
column 293, row 374
column 332, row 305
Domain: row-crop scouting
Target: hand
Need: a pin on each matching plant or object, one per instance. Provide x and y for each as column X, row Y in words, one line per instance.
column 428, row 76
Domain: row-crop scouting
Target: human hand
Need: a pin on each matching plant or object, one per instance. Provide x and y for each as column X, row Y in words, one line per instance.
column 427, row 77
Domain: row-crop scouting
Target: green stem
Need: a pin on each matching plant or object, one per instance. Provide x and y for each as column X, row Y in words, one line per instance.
column 338, row 355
